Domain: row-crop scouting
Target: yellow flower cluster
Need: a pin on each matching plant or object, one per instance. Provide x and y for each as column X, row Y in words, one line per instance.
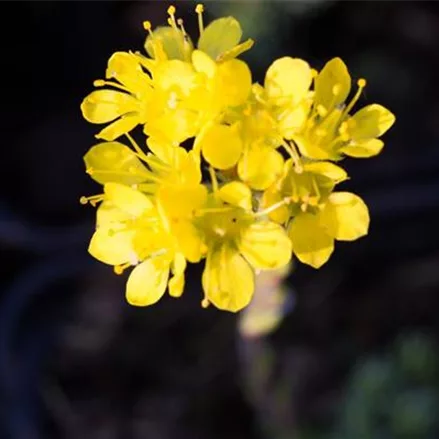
column 267, row 152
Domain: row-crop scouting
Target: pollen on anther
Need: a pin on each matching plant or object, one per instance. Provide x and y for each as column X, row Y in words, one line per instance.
column 83, row 200
column 171, row 10
column 361, row 83
column 199, row 9
column 147, row 25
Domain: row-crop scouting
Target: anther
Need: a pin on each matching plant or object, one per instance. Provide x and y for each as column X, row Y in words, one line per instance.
column 205, row 303
column 361, row 83
column 321, row 110
column 99, row 83
column 171, row 10
column 93, row 200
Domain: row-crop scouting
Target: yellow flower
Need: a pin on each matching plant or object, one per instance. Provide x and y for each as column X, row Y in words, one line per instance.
column 115, row 162
column 238, row 243
column 155, row 100
column 128, row 107
column 344, row 217
column 272, row 114
column 156, row 213
column 226, row 84
column 130, row 232
column 304, row 191
column 220, row 39
column 330, row 132
column 173, row 165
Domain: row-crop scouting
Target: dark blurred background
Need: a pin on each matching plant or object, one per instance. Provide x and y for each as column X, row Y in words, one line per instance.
column 355, row 356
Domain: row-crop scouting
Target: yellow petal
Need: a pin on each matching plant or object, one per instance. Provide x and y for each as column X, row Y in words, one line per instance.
column 127, row 199
column 260, row 167
column 121, row 126
column 181, row 201
column 175, row 74
column 288, row 79
column 345, row 216
column 126, row 68
column 332, row 85
column 147, row 282
column 113, row 247
column 327, row 169
column 220, row 36
column 311, row 149
column 236, row 51
column 228, row 280
column 102, row 106
column 113, row 161
column 265, row 245
column 108, row 215
column 189, row 240
column 311, row 243
column 237, row 194
column 364, row 148
column 175, row 126
column 293, row 119
column 369, row 122
column 176, row 283
column 173, row 42
column 233, row 82
column 203, row 63
column 221, row 146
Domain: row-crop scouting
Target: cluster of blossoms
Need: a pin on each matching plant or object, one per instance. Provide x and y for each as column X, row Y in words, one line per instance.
column 267, row 151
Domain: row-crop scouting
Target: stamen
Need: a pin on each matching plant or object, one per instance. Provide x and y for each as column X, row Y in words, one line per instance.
column 135, row 145
column 199, row 10
column 183, row 30
column 147, row 26
column 119, row 269
column 361, row 84
column 315, row 187
column 101, row 83
column 273, row 207
column 205, row 303
column 93, row 200
column 171, row 19
column 213, row 179
column 294, row 154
